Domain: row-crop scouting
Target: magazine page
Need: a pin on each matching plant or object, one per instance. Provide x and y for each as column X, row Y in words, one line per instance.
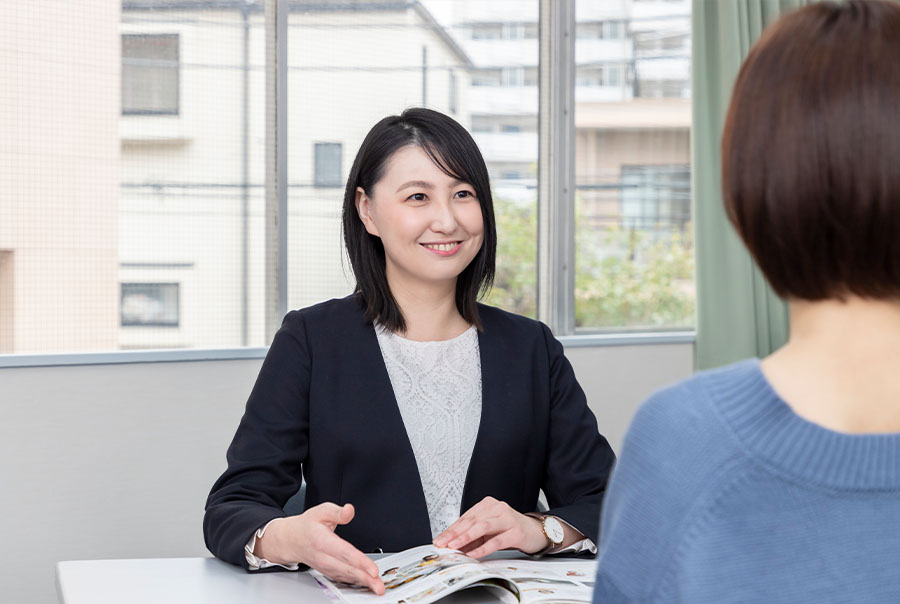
column 559, row 581
column 422, row 575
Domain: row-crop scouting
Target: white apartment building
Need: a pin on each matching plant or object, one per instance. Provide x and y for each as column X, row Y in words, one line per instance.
column 192, row 207
column 632, row 114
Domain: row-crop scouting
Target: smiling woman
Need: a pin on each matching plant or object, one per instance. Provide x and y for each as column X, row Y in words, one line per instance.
column 421, row 166
column 431, row 228
column 440, row 419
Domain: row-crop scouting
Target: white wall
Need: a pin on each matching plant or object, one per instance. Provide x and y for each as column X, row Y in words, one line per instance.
column 116, row 461
column 616, row 379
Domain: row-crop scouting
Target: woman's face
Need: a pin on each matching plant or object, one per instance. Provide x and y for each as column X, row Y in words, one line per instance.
column 429, row 223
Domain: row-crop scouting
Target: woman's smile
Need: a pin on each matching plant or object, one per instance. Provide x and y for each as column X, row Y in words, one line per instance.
column 443, row 248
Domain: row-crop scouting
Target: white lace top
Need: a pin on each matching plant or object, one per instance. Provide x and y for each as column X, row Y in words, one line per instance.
column 438, row 389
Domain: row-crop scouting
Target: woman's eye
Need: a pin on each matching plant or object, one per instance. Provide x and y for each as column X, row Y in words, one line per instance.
column 465, row 194
column 417, row 197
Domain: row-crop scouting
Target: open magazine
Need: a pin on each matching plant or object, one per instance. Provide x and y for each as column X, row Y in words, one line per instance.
column 426, row 574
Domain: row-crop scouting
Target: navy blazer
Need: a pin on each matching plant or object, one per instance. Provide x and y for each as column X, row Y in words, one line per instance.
column 323, row 405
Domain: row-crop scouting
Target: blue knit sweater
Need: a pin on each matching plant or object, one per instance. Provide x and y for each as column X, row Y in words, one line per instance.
column 723, row 494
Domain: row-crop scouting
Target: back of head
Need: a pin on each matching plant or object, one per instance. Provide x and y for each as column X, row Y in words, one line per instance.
column 810, row 151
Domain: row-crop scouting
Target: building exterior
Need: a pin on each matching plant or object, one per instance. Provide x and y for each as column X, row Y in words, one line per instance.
column 191, row 258
column 133, row 214
column 59, row 165
column 633, row 148
column 632, row 114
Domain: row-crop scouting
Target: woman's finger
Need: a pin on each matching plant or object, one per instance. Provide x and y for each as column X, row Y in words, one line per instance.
column 486, row 510
column 472, row 546
column 332, row 514
column 339, row 570
column 489, row 546
column 484, row 527
column 485, row 507
column 346, row 553
column 462, row 527
column 326, row 543
column 454, row 530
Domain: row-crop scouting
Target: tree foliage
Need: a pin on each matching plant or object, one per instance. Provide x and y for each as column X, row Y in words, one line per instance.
column 515, row 282
column 624, row 278
column 632, row 278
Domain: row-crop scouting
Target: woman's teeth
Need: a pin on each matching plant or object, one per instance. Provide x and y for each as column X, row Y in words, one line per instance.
column 441, row 247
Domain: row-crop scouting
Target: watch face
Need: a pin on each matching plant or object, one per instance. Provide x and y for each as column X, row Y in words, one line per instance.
column 554, row 529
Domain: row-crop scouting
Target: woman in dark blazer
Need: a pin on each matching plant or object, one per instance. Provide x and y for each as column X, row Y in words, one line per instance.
column 337, row 404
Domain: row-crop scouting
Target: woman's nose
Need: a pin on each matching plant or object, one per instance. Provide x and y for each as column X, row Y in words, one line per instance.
column 444, row 219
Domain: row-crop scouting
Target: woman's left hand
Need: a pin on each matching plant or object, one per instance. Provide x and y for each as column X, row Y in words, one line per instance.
column 492, row 525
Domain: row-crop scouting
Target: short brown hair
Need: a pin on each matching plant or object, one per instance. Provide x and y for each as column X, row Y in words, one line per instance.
column 811, row 151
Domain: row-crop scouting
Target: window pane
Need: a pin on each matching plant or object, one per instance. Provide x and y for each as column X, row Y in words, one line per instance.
column 634, row 254
column 150, row 73
column 131, row 206
column 347, row 69
column 150, row 304
column 328, row 165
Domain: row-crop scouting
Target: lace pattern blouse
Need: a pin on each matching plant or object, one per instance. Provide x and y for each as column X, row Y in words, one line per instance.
column 438, row 390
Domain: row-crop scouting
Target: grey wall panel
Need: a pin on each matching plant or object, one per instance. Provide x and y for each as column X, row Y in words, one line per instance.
column 115, row 461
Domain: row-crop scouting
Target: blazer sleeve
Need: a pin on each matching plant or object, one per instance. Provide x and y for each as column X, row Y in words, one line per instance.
column 579, row 459
column 266, row 454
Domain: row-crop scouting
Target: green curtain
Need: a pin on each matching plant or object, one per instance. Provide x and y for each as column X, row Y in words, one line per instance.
column 738, row 315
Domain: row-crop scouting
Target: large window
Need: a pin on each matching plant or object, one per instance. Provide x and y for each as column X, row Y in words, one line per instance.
column 134, row 205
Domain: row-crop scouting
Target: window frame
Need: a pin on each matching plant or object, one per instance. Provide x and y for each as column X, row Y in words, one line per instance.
column 555, row 283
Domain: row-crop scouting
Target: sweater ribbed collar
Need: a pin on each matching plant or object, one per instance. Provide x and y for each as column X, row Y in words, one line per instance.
column 770, row 430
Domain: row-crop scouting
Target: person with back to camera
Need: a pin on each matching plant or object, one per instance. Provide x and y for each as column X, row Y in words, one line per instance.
column 408, row 402
column 779, row 480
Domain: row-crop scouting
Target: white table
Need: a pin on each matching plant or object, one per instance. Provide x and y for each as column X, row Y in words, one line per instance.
column 195, row 581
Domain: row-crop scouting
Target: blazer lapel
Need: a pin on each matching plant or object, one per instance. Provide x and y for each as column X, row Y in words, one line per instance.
column 410, row 505
column 496, row 356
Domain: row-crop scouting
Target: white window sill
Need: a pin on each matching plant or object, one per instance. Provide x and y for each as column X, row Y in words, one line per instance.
column 178, row 355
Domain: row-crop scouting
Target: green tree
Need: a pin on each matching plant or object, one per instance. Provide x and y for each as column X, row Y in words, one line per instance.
column 515, row 282
column 629, row 278
column 623, row 278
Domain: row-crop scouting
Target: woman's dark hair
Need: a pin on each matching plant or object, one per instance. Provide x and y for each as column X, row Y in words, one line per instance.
column 810, row 151
column 456, row 154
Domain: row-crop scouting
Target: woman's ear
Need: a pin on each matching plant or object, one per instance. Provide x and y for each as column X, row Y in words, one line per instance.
column 363, row 208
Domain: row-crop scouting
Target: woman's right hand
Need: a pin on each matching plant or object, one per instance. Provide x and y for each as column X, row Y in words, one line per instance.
column 309, row 539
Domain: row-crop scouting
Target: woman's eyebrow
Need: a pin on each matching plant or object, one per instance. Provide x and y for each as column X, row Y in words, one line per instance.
column 416, row 183
column 427, row 185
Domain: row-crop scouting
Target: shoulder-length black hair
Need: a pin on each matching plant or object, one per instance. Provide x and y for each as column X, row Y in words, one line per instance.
column 454, row 151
